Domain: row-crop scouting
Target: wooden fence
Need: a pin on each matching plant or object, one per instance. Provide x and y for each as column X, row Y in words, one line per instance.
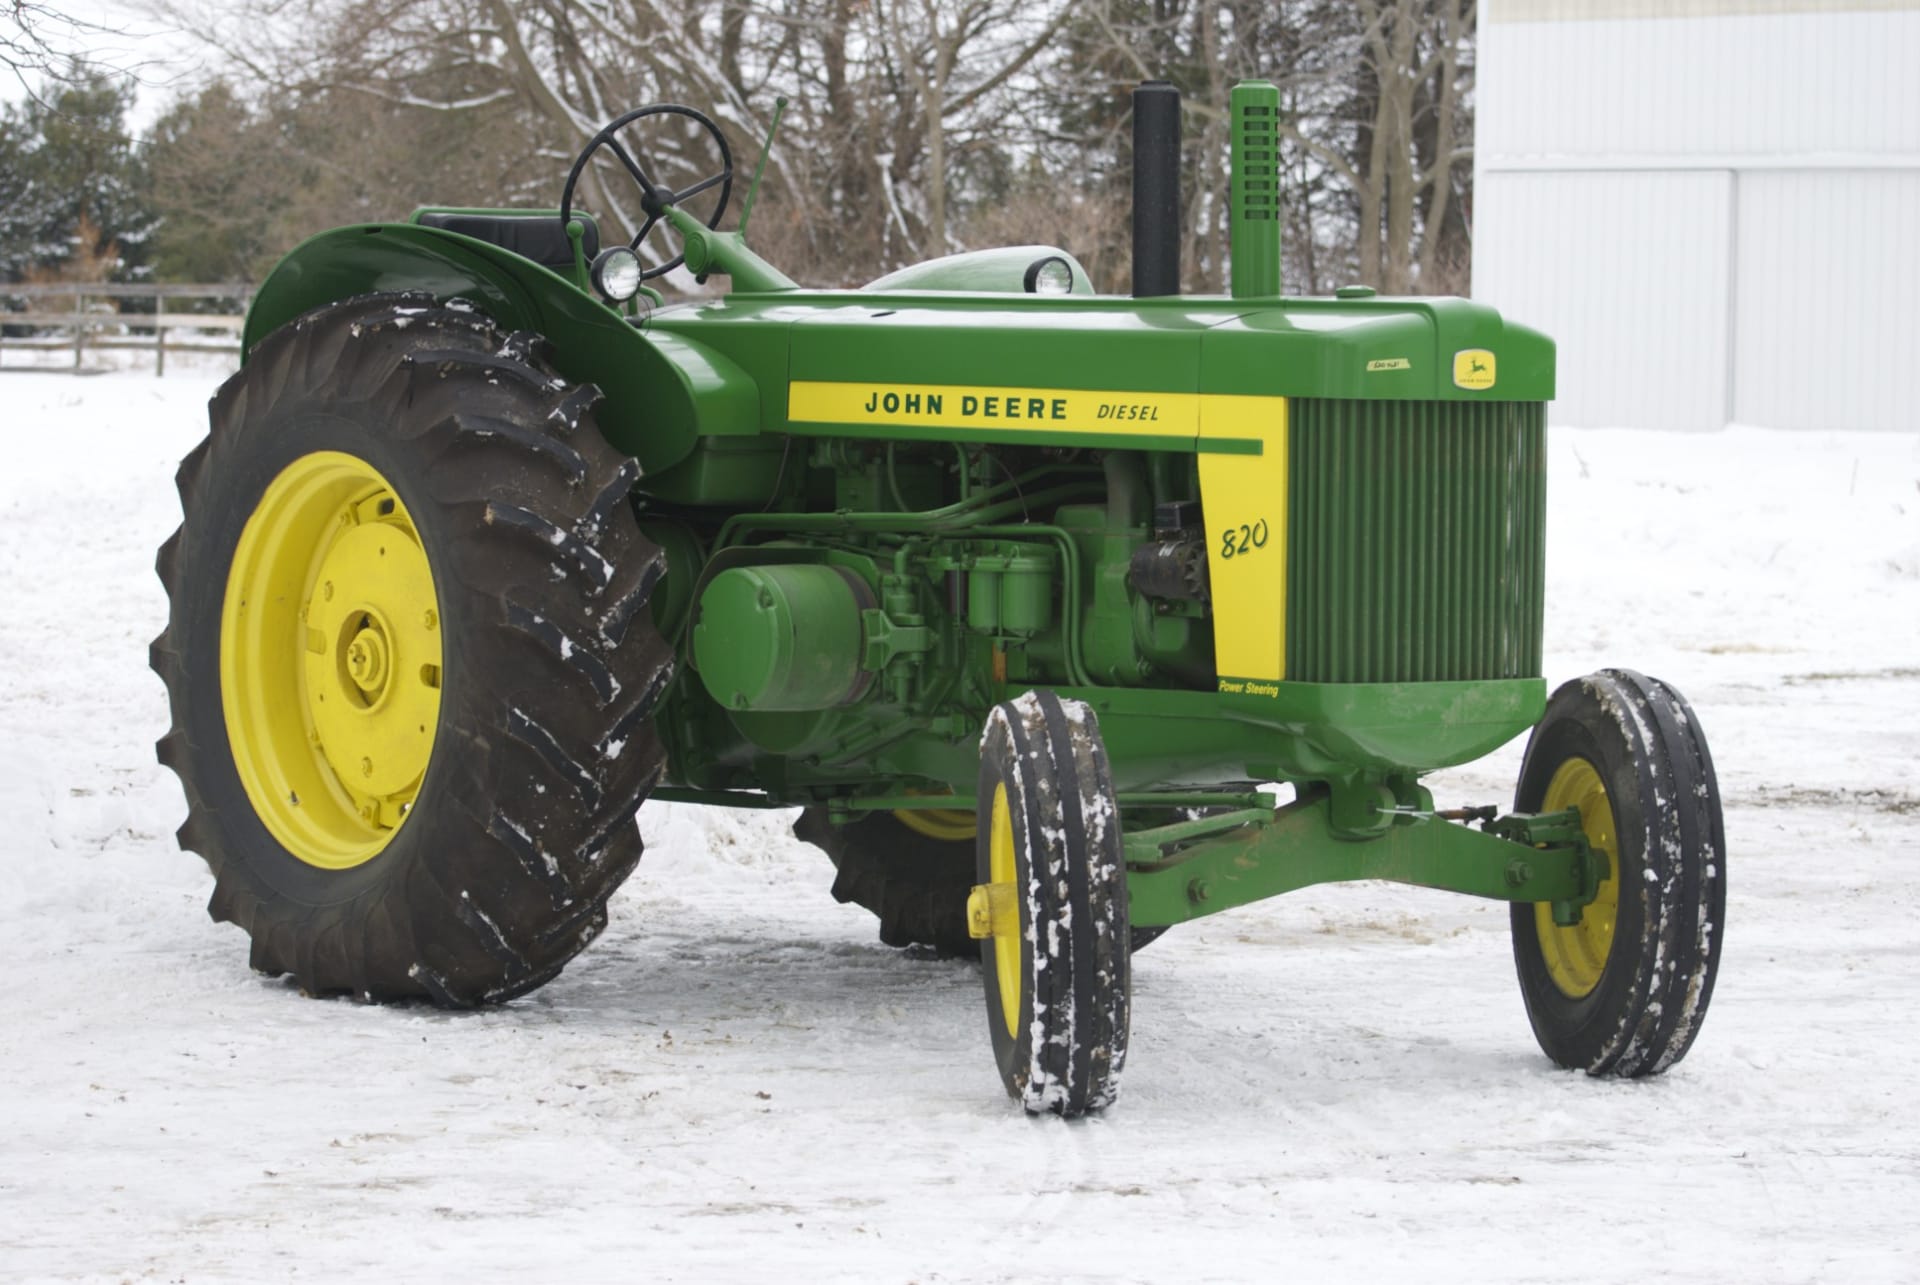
column 94, row 316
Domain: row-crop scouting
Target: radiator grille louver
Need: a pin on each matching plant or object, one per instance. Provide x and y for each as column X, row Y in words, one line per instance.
column 1416, row 540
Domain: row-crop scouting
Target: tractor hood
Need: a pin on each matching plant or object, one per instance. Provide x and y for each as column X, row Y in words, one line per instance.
column 1424, row 349
column 1413, row 349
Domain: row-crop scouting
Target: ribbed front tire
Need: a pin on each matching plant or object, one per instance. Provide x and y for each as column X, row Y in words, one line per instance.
column 1050, row 906
column 1623, row 992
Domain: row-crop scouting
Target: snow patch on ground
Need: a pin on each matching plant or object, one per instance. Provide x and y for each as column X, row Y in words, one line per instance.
column 739, row 1080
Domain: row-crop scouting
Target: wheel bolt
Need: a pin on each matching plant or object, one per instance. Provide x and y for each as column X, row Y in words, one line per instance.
column 326, row 592
column 431, row 620
column 366, row 767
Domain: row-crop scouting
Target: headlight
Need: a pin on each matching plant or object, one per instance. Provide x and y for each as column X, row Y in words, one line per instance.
column 1051, row 275
column 616, row 274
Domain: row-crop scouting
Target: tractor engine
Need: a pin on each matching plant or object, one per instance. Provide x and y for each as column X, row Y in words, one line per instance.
column 921, row 577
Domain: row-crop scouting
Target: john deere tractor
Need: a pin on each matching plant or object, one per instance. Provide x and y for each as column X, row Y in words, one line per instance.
column 1065, row 618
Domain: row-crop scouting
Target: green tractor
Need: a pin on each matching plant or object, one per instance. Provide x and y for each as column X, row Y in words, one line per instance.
column 1022, row 593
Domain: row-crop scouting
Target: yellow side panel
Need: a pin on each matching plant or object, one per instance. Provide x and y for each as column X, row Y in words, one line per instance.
column 1245, row 501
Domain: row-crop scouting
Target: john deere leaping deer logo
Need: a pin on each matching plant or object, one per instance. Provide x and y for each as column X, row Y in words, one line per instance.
column 1473, row 368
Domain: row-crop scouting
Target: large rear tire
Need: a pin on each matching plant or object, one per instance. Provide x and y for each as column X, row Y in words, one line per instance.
column 409, row 657
column 913, row 870
column 1624, row 991
column 914, row 881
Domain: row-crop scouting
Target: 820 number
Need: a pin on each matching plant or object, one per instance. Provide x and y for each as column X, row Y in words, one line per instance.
column 1243, row 539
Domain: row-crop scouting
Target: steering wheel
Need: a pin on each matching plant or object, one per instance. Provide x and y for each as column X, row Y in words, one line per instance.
column 655, row 199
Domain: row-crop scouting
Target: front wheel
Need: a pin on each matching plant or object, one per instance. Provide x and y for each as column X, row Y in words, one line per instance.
column 1050, row 907
column 1623, row 991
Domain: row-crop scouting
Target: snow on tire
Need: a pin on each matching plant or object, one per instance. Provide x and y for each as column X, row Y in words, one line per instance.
column 535, row 664
column 1624, row 992
column 1056, row 963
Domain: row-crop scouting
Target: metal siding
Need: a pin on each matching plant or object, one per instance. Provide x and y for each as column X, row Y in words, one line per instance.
column 1764, row 86
column 1589, row 10
column 1601, row 145
column 1628, row 273
column 1828, row 264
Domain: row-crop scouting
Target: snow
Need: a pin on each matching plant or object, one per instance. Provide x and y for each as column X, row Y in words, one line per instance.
column 738, row 1081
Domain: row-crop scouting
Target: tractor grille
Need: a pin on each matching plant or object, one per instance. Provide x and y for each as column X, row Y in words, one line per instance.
column 1415, row 540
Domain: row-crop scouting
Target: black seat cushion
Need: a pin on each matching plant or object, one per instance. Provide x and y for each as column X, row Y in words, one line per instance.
column 538, row 237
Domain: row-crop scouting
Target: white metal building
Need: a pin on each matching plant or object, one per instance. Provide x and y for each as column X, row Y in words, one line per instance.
column 1713, row 205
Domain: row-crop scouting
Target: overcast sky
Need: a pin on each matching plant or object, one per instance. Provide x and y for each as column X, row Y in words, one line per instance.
column 161, row 60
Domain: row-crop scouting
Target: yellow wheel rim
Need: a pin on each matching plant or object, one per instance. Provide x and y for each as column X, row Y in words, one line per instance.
column 948, row 825
column 330, row 660
column 1002, row 871
column 1576, row 956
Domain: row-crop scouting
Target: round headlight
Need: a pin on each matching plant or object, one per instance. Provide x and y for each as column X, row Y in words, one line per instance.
column 616, row 274
column 1051, row 275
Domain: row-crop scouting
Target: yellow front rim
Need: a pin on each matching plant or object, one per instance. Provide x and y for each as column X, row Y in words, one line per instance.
column 1576, row 956
column 330, row 660
column 1002, row 872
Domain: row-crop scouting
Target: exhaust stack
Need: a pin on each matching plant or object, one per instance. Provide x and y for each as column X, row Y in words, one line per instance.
column 1156, row 189
column 1254, row 195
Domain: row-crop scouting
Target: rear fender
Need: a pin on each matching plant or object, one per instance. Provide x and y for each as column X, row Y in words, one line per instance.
column 662, row 392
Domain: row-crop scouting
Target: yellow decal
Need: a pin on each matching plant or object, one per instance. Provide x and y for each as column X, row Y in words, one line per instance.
column 1473, row 368
column 1249, row 687
column 1390, row 363
column 1058, row 410
column 1244, row 499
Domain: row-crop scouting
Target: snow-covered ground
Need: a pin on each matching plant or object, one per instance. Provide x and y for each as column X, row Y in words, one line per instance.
column 738, row 1082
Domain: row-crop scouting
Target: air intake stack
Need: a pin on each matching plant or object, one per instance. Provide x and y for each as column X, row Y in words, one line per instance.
column 1156, row 189
column 1254, row 196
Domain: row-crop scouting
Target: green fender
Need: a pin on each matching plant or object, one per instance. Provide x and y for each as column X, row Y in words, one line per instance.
column 662, row 391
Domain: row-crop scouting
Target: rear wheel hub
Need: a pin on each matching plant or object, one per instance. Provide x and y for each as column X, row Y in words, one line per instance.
column 330, row 660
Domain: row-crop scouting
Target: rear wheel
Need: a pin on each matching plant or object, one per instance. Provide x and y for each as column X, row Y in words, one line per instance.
column 409, row 658
column 1050, row 907
column 914, row 878
column 1623, row 992
column 913, row 869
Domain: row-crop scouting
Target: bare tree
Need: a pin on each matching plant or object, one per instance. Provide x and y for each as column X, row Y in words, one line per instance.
column 886, row 94
column 915, row 127
column 1411, row 79
column 1375, row 121
column 953, row 55
column 41, row 44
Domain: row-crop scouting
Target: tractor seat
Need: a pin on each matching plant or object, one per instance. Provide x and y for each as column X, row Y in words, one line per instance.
column 536, row 236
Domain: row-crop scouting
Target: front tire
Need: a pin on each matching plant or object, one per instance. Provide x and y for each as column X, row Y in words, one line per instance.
column 1051, row 906
column 1624, row 991
column 409, row 656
